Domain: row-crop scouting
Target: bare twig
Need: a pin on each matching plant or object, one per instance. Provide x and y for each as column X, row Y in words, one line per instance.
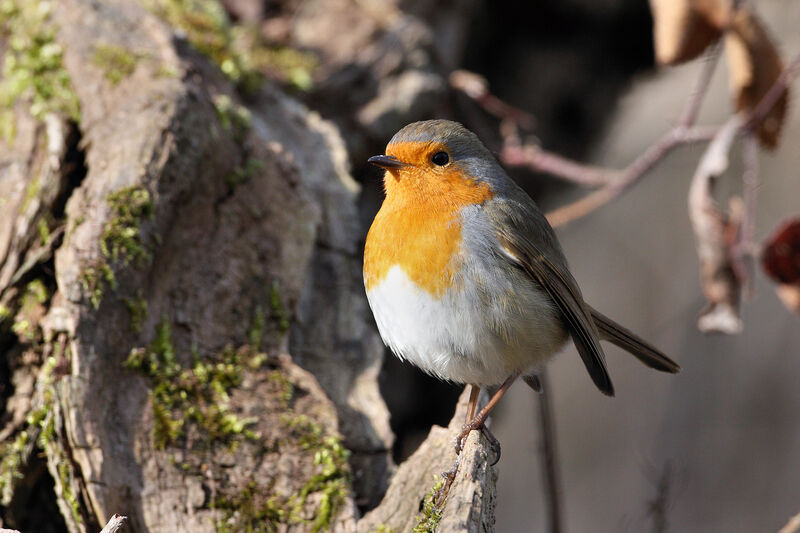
column 682, row 133
column 712, row 230
column 657, row 507
column 114, row 524
column 613, row 182
column 745, row 249
column 700, row 88
column 792, row 526
column 476, row 87
column 550, row 457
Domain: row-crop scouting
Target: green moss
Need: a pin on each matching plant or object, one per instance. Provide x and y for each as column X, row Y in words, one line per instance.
column 31, row 192
column 44, row 231
column 279, row 313
column 121, row 241
column 35, row 292
column 33, row 297
column 241, row 175
column 234, row 118
column 116, row 62
column 195, row 400
column 14, row 458
column 431, row 514
column 250, row 511
column 284, row 386
column 196, row 396
column 94, row 281
column 14, row 455
column 332, row 483
column 244, row 512
column 167, row 71
column 256, row 333
column 65, row 477
column 238, row 50
column 137, row 307
column 209, row 30
column 287, row 64
column 32, row 67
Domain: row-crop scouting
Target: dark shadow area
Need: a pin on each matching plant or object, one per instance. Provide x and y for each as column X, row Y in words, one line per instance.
column 34, row 505
column 416, row 402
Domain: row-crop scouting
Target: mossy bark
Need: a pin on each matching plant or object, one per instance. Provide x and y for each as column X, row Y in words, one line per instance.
column 172, row 256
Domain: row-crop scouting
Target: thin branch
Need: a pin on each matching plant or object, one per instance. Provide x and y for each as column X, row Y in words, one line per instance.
column 537, row 159
column 477, row 87
column 696, row 97
column 745, row 249
column 613, row 182
column 658, row 507
column 514, row 153
column 682, row 133
column 629, row 176
column 114, row 524
column 550, row 457
column 792, row 526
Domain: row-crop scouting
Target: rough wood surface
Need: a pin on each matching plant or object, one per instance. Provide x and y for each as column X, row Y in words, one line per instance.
column 244, row 241
column 471, row 500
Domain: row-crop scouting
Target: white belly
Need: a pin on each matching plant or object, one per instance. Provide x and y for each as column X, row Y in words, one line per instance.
column 469, row 335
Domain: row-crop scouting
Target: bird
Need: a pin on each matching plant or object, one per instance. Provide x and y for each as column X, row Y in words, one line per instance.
column 466, row 278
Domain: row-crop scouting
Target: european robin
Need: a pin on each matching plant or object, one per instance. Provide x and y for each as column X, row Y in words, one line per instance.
column 465, row 276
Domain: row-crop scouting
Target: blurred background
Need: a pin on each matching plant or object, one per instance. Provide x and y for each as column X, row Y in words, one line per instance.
column 717, row 447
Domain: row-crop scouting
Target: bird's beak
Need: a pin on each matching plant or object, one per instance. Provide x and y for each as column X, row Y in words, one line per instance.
column 389, row 162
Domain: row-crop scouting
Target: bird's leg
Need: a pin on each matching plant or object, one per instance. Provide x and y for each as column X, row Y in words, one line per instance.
column 481, row 417
column 473, row 402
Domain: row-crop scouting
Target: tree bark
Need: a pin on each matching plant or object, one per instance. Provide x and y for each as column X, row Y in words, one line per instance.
column 186, row 336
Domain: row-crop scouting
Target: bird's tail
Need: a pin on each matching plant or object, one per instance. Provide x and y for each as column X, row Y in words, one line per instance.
column 631, row 343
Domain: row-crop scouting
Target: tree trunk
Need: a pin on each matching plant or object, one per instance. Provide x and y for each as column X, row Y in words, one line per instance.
column 185, row 335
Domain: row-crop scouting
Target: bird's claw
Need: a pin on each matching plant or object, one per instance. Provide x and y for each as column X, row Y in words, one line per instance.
column 494, row 444
column 461, row 440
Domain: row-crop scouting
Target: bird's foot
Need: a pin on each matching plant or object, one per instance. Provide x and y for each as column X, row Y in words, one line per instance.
column 494, row 444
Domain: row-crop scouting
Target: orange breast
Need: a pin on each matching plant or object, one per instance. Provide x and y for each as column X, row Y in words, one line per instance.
column 418, row 228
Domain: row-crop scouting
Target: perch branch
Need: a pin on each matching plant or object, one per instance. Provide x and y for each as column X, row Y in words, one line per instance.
column 471, row 494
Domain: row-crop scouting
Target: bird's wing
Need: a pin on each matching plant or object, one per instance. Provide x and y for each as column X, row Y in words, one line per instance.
column 528, row 241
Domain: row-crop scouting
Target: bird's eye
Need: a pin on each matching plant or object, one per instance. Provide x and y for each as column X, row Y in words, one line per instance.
column 440, row 158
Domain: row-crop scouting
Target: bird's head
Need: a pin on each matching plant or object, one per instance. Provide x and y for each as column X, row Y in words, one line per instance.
column 438, row 159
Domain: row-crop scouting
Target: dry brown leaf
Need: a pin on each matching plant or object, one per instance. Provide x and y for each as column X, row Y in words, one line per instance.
column 754, row 65
column 682, row 29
